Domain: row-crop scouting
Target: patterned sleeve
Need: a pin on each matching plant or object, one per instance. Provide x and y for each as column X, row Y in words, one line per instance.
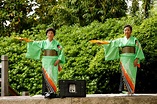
column 139, row 52
column 61, row 55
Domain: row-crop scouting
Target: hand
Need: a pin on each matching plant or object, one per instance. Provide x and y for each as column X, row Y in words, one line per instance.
column 27, row 40
column 135, row 62
column 56, row 63
column 99, row 43
column 21, row 39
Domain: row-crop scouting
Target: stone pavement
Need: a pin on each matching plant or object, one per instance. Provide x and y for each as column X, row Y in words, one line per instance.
column 89, row 99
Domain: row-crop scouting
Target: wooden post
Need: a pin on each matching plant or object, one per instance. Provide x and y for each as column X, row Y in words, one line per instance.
column 4, row 75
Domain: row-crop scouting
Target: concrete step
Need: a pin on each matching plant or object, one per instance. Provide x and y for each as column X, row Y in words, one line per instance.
column 89, row 99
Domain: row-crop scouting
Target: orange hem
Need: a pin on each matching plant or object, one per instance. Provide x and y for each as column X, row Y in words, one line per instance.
column 128, row 78
column 50, row 80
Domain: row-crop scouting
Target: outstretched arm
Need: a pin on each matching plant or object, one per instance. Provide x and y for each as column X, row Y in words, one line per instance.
column 100, row 42
column 23, row 39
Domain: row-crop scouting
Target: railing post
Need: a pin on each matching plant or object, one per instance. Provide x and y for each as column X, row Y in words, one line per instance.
column 4, row 75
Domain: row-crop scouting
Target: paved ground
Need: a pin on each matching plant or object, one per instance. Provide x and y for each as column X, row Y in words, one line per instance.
column 89, row 99
column 115, row 95
column 88, row 95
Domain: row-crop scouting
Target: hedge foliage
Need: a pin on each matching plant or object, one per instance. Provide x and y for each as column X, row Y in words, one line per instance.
column 84, row 60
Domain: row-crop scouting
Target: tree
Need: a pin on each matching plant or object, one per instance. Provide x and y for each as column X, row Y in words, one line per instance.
column 135, row 7
column 89, row 10
column 68, row 12
column 44, row 11
column 57, row 13
column 146, row 7
column 14, row 16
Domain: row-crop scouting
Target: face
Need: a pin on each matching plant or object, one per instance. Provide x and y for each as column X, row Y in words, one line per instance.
column 127, row 32
column 50, row 35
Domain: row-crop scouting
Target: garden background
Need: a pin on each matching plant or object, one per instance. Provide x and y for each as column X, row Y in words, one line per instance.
column 76, row 23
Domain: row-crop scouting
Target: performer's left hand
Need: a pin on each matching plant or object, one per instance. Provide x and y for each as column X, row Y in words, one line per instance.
column 135, row 62
column 57, row 62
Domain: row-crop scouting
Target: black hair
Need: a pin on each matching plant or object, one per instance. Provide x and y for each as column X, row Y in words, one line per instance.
column 128, row 26
column 51, row 29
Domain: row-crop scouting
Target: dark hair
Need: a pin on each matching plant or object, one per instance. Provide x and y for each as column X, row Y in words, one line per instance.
column 51, row 29
column 128, row 26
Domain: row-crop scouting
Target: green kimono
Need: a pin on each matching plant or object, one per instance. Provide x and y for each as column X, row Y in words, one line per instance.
column 50, row 72
column 112, row 51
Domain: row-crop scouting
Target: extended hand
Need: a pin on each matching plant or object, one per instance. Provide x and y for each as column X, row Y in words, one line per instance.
column 23, row 39
column 99, row 43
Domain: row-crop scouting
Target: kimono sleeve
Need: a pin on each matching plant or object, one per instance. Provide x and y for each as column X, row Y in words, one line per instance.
column 33, row 50
column 139, row 52
column 112, row 50
column 61, row 55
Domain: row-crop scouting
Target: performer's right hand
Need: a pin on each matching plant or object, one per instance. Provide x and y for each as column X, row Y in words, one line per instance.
column 21, row 39
column 99, row 43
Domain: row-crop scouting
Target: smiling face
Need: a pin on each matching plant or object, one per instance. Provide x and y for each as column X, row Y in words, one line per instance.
column 50, row 35
column 127, row 32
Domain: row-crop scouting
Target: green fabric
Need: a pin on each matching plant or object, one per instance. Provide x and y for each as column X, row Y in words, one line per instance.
column 126, row 59
column 34, row 51
column 48, row 64
column 111, row 51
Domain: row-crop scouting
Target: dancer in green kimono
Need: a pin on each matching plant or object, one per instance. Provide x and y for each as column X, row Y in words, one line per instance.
column 128, row 50
column 52, row 57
